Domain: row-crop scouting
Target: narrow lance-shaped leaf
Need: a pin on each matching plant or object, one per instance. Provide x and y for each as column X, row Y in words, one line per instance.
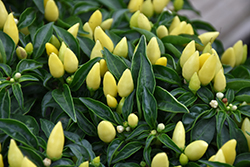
column 8, row 45
column 2, row 53
column 28, row 65
column 112, row 148
column 7, row 70
column 27, row 18
column 46, row 126
column 147, row 149
column 166, row 74
column 5, row 104
column 167, row 141
column 18, row 93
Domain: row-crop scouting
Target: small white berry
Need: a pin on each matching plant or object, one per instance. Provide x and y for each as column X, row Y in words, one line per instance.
column 234, row 107
column 47, row 162
column 213, row 103
column 12, row 80
column 120, row 128
column 17, row 75
column 128, row 129
column 219, row 95
column 160, row 127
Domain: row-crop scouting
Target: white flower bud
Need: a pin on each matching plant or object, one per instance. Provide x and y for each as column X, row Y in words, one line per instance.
column 16, row 21
column 160, row 127
column 228, row 108
column 219, row 95
column 153, row 132
column 230, row 105
column 47, row 162
column 128, row 129
column 234, row 107
column 17, row 75
column 213, row 103
column 12, row 80
column 120, row 128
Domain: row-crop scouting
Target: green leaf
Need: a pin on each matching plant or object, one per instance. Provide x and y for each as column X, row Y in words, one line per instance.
column 113, row 4
column 18, row 131
column 149, row 107
column 46, row 126
column 26, row 18
column 115, row 64
column 220, row 121
column 8, row 45
column 137, row 131
column 4, row 103
column 167, row 102
column 33, row 155
column 63, row 162
column 28, row 103
column 83, row 7
column 238, row 83
column 166, row 74
column 2, row 53
column 198, row 24
column 147, row 149
column 127, row 151
column 27, row 65
column 242, row 160
column 187, row 99
column 126, row 164
column 99, row 109
column 192, row 164
column 81, row 74
column 7, row 69
column 47, row 101
column 243, row 95
column 42, row 36
column 230, row 94
column 27, row 78
column 18, row 93
column 128, row 104
column 39, row 5
column 86, row 45
column 204, row 130
column 181, row 40
column 112, row 149
column 205, row 95
column 167, row 141
column 171, row 49
column 241, row 72
column 65, row 101
column 214, row 164
column 244, row 109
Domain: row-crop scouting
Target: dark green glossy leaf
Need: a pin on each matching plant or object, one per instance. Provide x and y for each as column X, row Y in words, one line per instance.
column 47, row 101
column 205, row 95
column 8, row 45
column 18, row 131
column 147, row 149
column 238, row 83
column 241, row 72
column 39, row 5
column 86, row 45
column 79, row 151
column 46, row 126
column 28, row 65
column 137, row 131
column 180, row 39
column 17, row 91
column 220, row 121
column 4, row 103
column 187, row 99
column 165, row 18
column 7, row 70
column 112, row 149
column 33, row 155
column 126, row 164
column 242, row 160
column 82, row 7
column 192, row 164
column 198, row 24
column 214, row 164
column 167, row 141
column 167, row 102
column 128, row 150
column 65, row 101
column 149, row 107
column 42, row 36
column 63, row 162
column 243, row 95
column 26, row 18
column 166, row 74
column 172, row 50
column 28, row 103
column 2, row 53
column 128, row 104
column 244, row 109
column 81, row 74
column 115, row 64
column 230, row 94
column 113, row 4
column 27, row 78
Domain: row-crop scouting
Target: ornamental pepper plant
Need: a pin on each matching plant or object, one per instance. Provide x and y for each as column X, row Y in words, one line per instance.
column 119, row 83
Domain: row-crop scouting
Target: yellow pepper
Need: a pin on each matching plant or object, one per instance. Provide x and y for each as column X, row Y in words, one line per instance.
column 15, row 156
column 188, row 29
column 21, row 52
column 208, row 48
column 121, row 49
column 220, row 81
column 161, row 31
column 51, row 48
column 103, row 67
column 51, row 12
column 96, row 50
column 95, row 20
column 104, row 39
column 55, row 42
column 162, row 61
column 207, row 37
column 147, row 8
column 55, row 142
column 187, row 52
column 27, row 163
column 244, row 57
column 93, row 79
column 111, row 101
column 1, row 161
column 191, row 66
column 195, row 150
column 160, row 160
column 229, row 151
column 109, row 84
column 179, row 29
column 56, row 67
column 120, row 105
column 62, row 51
column 106, row 131
column 218, row 66
column 133, row 22
column 178, row 4
column 86, row 27
column 132, row 120
column 179, row 135
column 176, row 21
column 44, row 3
column 96, row 161
column 74, row 29
column 3, row 14
column 246, row 127
column 134, row 5
column 238, row 50
column 159, row 5
column 195, row 83
column 143, row 22
column 11, row 29
column 84, row 164
column 125, row 85
column 183, row 159
column 106, row 24
column 153, row 50
column 219, row 157
column 70, row 61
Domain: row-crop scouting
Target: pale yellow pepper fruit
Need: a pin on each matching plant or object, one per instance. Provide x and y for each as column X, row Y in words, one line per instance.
column 228, row 57
column 109, row 84
column 84, row 164
column 244, row 57
column 29, row 48
column 238, row 50
column 74, row 29
column 203, row 58
column 176, row 21
column 104, row 39
column 179, row 135
column 55, row 142
column 3, row 14
column 160, row 160
column 56, row 67
column 96, row 161
column 220, row 81
column 179, row 29
column 44, row 3
column 95, row 20
column 207, row 37
column 159, row 5
column 106, row 131
column 15, row 156
column 55, row 42
column 103, row 67
column 195, row 150
column 133, row 120
column 62, row 51
column 93, row 79
column 51, row 12
column 229, row 151
column 191, row 66
column 218, row 66
column 153, row 50
column 70, row 61
column 208, row 48
column 1, row 161
column 86, row 27
column 183, row 159
column 161, row 31
column 125, row 84
column 246, row 127
column 27, row 163
column 161, row 61
column 120, row 105
column 195, row 83
column 96, row 50
column 111, row 101
column 134, row 5
column 51, row 48
column 106, row 24
column 178, row 4
column 121, row 49
column 219, row 157
column 187, row 52
column 11, row 29
column 133, row 20
column 147, row 8
column 143, row 22
column 21, row 52
column 188, row 29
